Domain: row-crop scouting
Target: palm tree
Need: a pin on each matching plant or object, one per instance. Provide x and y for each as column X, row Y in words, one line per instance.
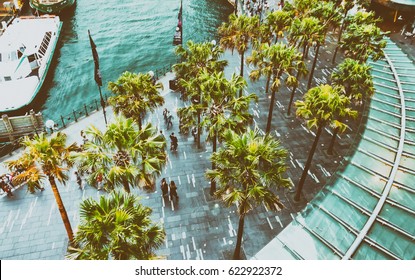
column 323, row 105
column 328, row 16
column 305, row 31
column 135, row 95
column 117, row 227
column 236, row 34
column 123, row 154
column 224, row 110
column 363, row 41
column 249, row 168
column 357, row 82
column 277, row 22
column 301, row 72
column 198, row 57
column 278, row 59
column 49, row 158
column 359, row 18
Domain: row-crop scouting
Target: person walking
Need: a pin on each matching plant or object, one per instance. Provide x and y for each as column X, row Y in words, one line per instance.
column 173, row 191
column 174, row 142
column 99, row 181
column 6, row 188
column 169, row 119
column 164, row 187
column 78, row 180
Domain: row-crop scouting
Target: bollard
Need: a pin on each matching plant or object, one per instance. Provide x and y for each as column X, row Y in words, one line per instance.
column 74, row 115
column 86, row 111
column 63, row 123
column 96, row 104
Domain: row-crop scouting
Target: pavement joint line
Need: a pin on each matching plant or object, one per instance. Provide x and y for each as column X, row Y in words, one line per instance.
column 188, row 178
column 50, row 213
column 269, row 223
column 194, row 243
column 279, row 221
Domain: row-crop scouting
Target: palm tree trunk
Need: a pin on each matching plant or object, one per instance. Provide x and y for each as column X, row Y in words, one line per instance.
column 242, row 70
column 213, row 182
column 237, row 252
column 292, row 93
column 198, row 129
column 333, row 139
column 126, row 185
column 268, row 80
column 271, row 109
column 61, row 208
column 308, row 164
column 338, row 42
column 139, row 122
column 304, row 51
column 236, row 7
column 310, row 79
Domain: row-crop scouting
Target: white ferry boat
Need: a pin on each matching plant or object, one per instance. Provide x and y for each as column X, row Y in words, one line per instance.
column 26, row 50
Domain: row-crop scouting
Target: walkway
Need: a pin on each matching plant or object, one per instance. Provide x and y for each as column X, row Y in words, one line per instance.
column 369, row 211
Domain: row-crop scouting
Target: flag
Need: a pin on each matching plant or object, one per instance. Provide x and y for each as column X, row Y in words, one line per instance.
column 97, row 72
column 180, row 12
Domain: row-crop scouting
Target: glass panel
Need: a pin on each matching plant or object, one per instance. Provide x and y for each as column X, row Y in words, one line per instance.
column 355, row 193
column 329, row 229
column 367, row 252
column 408, row 162
column 410, row 136
column 381, row 126
column 405, row 178
column 384, row 116
column 391, row 91
column 398, row 244
column 345, row 212
column 387, row 107
column 382, row 152
column 386, row 82
column 370, row 163
column 388, row 98
column 399, row 218
column 410, row 113
column 408, row 86
column 357, row 174
column 380, row 138
column 410, row 123
column 402, row 196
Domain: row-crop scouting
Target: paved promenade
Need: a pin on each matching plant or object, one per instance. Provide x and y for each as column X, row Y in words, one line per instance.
column 198, row 227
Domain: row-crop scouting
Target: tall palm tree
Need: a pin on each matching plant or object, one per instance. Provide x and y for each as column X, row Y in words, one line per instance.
column 224, row 109
column 328, row 16
column 303, row 32
column 323, row 105
column 237, row 33
column 357, row 82
column 198, row 57
column 46, row 157
column 117, row 227
column 277, row 22
column 301, row 72
column 135, row 95
column 249, row 169
column 123, row 154
column 278, row 59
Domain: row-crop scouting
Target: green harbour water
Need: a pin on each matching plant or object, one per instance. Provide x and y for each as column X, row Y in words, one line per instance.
column 131, row 35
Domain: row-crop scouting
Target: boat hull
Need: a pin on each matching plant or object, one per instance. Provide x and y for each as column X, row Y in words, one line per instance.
column 52, row 8
column 29, row 97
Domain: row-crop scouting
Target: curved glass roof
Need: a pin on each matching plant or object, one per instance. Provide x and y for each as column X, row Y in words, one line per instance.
column 368, row 210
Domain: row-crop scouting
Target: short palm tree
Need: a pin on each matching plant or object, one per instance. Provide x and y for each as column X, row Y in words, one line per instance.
column 135, row 95
column 323, row 105
column 278, row 22
column 237, row 34
column 46, row 157
column 123, row 154
column 117, row 227
column 357, row 82
column 275, row 60
column 361, row 42
column 249, row 168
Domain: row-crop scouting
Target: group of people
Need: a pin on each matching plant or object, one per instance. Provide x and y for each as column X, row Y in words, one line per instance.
column 168, row 118
column 6, row 184
column 169, row 189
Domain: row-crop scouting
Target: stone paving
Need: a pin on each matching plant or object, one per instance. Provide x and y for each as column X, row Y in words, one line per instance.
column 198, row 226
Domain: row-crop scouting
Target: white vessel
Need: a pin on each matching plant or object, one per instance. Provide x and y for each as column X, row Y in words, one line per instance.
column 26, row 50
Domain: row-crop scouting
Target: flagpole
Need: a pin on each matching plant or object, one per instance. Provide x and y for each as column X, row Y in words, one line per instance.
column 103, row 105
column 97, row 74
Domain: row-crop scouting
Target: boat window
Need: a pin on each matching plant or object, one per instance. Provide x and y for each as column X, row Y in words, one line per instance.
column 31, row 58
column 13, row 56
column 7, row 78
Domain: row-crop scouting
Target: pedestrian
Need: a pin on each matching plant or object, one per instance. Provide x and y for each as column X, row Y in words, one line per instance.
column 173, row 191
column 174, row 142
column 194, row 132
column 78, row 180
column 7, row 178
column 99, row 181
column 169, row 119
column 6, row 188
column 165, row 114
column 164, row 187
